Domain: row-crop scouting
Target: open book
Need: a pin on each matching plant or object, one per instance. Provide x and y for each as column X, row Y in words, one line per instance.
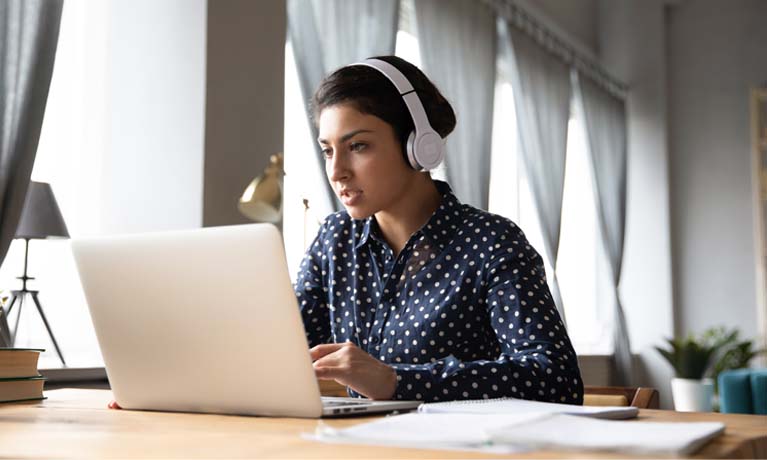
column 523, row 406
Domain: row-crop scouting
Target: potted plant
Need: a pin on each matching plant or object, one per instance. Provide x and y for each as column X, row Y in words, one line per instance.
column 737, row 355
column 697, row 361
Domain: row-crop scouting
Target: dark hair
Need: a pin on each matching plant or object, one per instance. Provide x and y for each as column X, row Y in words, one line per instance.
column 370, row 92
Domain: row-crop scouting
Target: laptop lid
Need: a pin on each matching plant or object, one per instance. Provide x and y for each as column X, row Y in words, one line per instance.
column 200, row 320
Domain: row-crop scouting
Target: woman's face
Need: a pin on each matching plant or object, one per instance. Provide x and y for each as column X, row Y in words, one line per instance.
column 363, row 161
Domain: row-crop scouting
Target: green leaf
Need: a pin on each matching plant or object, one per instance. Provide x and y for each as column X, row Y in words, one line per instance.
column 715, row 350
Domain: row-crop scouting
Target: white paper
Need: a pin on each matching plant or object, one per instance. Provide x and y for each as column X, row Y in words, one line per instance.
column 429, row 431
column 566, row 432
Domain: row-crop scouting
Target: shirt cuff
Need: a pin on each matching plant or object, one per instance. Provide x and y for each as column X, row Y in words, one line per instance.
column 414, row 382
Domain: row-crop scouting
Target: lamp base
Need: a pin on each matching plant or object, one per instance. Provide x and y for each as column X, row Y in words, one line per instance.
column 20, row 296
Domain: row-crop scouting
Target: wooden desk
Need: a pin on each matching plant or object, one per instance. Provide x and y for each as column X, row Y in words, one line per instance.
column 77, row 423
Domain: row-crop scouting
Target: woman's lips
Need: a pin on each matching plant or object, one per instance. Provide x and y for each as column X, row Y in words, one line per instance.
column 350, row 197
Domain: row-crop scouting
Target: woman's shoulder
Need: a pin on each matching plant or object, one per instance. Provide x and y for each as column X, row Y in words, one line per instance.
column 499, row 234
column 339, row 227
column 493, row 226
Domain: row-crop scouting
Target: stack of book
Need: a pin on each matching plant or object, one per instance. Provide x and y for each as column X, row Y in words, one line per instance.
column 19, row 377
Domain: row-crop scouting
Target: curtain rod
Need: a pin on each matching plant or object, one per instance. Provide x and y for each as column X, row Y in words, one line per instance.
column 551, row 42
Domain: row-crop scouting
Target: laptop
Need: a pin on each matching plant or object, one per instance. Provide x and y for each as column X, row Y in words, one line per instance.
column 205, row 320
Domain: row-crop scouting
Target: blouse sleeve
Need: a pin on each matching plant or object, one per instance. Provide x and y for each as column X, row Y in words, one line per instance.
column 536, row 361
column 311, row 292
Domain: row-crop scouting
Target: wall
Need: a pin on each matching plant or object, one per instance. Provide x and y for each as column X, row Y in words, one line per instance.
column 196, row 109
column 576, row 21
column 576, row 18
column 121, row 146
column 244, row 100
column 152, row 167
column 689, row 180
column 716, row 52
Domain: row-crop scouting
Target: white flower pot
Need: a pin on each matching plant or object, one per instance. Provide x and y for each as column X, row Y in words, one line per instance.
column 691, row 395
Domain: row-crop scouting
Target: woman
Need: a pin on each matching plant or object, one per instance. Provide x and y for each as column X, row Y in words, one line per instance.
column 409, row 294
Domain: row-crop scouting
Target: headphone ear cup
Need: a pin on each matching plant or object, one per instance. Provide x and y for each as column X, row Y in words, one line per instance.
column 429, row 150
column 411, row 152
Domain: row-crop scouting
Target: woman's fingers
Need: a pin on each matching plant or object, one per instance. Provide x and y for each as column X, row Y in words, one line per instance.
column 350, row 366
column 330, row 360
column 329, row 373
column 325, row 349
column 333, row 365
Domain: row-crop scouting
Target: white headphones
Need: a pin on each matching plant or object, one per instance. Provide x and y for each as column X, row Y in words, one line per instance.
column 425, row 147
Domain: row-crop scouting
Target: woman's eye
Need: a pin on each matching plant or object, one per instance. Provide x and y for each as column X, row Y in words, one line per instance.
column 358, row 146
column 327, row 153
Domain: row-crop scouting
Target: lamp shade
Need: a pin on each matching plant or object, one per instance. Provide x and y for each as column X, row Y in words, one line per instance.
column 41, row 217
column 262, row 199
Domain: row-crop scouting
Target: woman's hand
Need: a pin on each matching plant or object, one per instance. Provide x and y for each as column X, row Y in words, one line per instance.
column 348, row 365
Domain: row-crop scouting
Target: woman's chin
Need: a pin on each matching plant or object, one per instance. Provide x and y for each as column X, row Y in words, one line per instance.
column 357, row 213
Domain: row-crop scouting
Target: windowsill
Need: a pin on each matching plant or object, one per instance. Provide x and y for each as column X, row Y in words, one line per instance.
column 74, row 374
column 75, row 377
column 596, row 370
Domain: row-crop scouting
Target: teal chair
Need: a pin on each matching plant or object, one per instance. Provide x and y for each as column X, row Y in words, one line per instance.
column 743, row 391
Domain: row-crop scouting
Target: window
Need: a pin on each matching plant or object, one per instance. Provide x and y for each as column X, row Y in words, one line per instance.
column 69, row 158
column 581, row 260
column 304, row 173
column 581, row 264
column 122, row 148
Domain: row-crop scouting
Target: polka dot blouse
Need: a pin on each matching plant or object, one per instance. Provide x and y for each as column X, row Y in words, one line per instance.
column 463, row 312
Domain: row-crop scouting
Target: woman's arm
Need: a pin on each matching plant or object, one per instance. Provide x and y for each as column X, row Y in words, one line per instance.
column 536, row 359
column 311, row 293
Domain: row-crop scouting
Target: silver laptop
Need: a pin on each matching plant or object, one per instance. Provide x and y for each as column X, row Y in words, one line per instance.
column 204, row 320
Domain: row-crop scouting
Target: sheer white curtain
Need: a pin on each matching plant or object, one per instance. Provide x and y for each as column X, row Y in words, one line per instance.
column 327, row 34
column 29, row 33
column 352, row 30
column 542, row 92
column 605, row 117
column 457, row 43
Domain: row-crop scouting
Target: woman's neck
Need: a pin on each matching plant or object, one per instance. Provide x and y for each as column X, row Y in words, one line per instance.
column 410, row 213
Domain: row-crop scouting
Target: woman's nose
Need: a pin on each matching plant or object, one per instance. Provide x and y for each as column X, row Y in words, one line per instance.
column 337, row 168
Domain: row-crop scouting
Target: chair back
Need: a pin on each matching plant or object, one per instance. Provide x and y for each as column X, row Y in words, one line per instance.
column 743, row 391
column 640, row 397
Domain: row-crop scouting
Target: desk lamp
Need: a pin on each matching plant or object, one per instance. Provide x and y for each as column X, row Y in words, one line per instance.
column 262, row 199
column 40, row 219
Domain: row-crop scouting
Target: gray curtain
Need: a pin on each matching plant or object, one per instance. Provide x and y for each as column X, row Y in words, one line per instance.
column 542, row 92
column 605, row 120
column 327, row 34
column 29, row 31
column 457, row 43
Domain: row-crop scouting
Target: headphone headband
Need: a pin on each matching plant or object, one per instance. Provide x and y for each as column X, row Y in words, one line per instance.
column 425, row 147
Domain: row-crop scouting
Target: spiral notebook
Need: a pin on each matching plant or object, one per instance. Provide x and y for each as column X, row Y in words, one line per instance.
column 523, row 406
